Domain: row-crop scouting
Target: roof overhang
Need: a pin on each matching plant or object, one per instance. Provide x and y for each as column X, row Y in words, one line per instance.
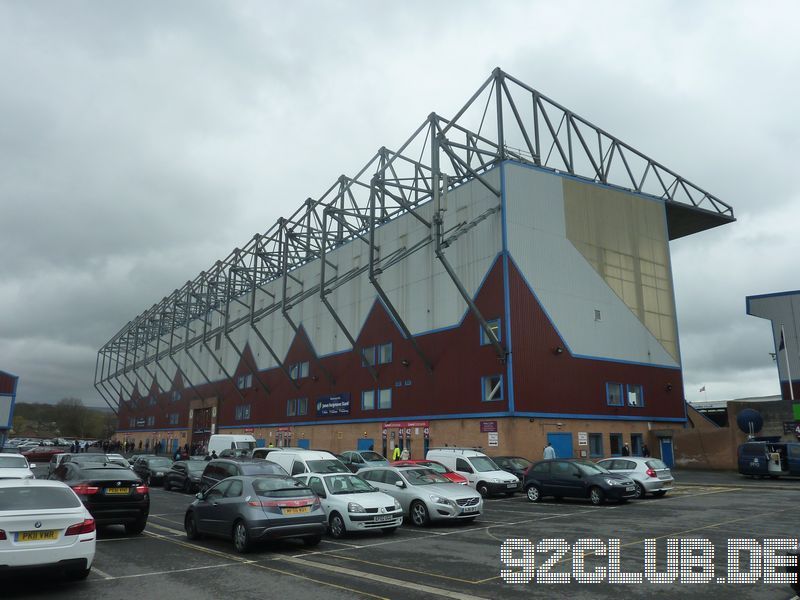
column 683, row 220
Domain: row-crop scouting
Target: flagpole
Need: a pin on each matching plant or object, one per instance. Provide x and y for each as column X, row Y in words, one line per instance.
column 786, row 356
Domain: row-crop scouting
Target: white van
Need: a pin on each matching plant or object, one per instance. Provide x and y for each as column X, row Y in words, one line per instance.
column 480, row 470
column 220, row 442
column 297, row 461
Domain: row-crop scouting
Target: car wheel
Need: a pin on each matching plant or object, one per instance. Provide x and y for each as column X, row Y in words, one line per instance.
column 78, row 574
column 312, row 541
column 640, row 491
column 483, row 489
column 337, row 527
column 659, row 494
column 190, row 526
column 533, row 493
column 597, row 496
column 241, row 538
column 136, row 527
column 419, row 514
column 389, row 530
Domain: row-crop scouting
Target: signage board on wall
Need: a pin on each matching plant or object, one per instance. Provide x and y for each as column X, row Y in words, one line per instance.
column 140, row 422
column 494, row 439
column 488, row 426
column 405, row 424
column 328, row 406
column 583, row 438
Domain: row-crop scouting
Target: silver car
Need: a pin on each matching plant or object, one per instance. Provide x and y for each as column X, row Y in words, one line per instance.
column 650, row 475
column 424, row 494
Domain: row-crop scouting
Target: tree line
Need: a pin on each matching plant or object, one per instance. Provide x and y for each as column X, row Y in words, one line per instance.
column 68, row 418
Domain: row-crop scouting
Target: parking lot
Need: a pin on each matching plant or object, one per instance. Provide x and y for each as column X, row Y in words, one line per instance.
column 446, row 561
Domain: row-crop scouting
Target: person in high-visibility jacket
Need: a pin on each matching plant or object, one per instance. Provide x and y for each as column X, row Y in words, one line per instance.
column 396, row 453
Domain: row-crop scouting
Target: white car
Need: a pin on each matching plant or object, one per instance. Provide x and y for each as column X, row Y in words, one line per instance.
column 351, row 504
column 43, row 523
column 15, row 466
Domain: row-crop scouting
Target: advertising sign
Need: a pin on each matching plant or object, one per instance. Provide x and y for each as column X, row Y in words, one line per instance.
column 488, row 426
column 329, row 406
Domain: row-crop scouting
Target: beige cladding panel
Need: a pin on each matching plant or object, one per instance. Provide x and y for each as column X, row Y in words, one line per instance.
column 624, row 238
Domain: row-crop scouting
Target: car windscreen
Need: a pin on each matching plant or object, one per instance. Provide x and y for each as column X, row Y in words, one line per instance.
column 13, row 462
column 588, row 468
column 348, row 484
column 245, row 445
column 483, row 464
column 37, row 498
column 656, row 464
column 159, row 462
column 423, row 477
column 261, row 468
column 195, row 465
column 372, row 457
column 327, row 466
column 439, row 468
column 520, row 463
column 106, row 473
column 281, row 487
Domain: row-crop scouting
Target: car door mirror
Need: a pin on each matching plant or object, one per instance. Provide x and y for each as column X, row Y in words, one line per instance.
column 576, row 475
column 32, row 466
column 199, row 495
column 400, row 484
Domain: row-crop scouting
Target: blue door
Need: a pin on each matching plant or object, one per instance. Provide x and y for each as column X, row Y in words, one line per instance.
column 562, row 444
column 666, row 451
column 366, row 444
column 304, row 443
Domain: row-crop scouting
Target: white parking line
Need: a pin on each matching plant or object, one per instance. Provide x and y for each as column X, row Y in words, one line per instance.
column 107, row 577
column 102, row 574
column 398, row 583
column 165, row 528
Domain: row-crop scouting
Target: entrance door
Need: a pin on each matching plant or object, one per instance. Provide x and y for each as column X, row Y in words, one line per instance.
column 304, row 443
column 366, row 444
column 562, row 444
column 666, row 451
column 636, row 444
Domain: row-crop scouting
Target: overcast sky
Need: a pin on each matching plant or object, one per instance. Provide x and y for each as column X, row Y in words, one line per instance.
column 142, row 141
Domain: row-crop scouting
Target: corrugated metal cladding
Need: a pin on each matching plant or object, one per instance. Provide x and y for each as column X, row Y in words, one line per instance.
column 459, row 361
column 546, row 380
column 7, row 383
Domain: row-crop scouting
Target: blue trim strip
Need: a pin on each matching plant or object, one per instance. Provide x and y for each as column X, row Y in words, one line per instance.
column 600, row 417
column 506, row 290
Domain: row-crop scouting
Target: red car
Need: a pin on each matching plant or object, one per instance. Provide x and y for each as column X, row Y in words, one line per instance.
column 42, row 454
column 436, row 466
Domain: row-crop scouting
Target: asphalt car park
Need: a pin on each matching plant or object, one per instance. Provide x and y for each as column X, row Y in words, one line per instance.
column 449, row 560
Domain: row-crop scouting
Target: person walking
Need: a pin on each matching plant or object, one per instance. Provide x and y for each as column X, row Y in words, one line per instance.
column 626, row 451
column 549, row 452
column 645, row 451
column 405, row 454
column 396, row 453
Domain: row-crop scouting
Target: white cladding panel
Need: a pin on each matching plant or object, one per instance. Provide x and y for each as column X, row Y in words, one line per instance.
column 567, row 286
column 417, row 286
column 782, row 309
column 5, row 411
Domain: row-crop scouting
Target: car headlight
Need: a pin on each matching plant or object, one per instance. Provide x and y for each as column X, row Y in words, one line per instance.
column 440, row 500
column 397, row 505
column 613, row 482
column 496, row 480
column 355, row 507
column 159, row 474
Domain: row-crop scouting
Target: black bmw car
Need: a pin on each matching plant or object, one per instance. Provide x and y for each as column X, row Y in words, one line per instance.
column 184, row 475
column 566, row 478
column 113, row 494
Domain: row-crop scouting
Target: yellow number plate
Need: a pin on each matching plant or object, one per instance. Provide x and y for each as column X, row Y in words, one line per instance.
column 118, row 491
column 37, row 536
column 296, row 511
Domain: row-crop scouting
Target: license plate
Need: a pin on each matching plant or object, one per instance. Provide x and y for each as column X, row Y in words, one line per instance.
column 630, row 489
column 118, row 491
column 37, row 536
column 511, row 485
column 382, row 518
column 470, row 509
column 296, row 511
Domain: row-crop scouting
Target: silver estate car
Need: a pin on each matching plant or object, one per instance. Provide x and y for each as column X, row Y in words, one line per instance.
column 424, row 494
column 650, row 475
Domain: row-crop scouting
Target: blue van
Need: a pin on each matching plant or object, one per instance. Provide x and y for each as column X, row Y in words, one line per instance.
column 769, row 459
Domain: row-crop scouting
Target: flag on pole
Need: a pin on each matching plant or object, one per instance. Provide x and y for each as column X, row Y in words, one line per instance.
column 782, row 345
column 702, row 389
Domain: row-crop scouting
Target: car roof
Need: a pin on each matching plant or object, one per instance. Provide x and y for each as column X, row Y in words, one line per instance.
column 12, row 483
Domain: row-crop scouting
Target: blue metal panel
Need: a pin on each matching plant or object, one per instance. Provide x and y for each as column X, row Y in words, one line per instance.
column 562, row 444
